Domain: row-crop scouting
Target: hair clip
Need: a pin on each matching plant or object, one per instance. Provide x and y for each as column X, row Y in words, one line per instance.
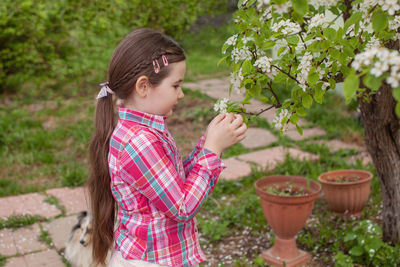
column 165, row 61
column 156, row 66
column 104, row 90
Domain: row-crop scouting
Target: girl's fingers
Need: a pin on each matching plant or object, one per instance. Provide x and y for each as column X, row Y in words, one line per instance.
column 237, row 122
column 241, row 130
column 230, row 117
column 241, row 137
column 218, row 118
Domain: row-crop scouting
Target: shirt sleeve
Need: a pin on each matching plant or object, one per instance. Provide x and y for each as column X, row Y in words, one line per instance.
column 191, row 160
column 148, row 168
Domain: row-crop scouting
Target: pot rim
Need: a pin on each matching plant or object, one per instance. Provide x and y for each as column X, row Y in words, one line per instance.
column 322, row 179
column 313, row 193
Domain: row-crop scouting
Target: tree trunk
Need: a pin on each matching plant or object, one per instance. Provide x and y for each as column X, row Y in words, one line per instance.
column 382, row 138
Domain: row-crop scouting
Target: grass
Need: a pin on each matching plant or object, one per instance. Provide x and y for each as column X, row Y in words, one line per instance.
column 17, row 221
column 52, row 200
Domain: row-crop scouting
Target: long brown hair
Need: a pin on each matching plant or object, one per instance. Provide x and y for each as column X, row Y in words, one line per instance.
column 132, row 58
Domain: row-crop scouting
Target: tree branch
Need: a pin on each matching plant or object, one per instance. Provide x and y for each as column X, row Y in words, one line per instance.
column 290, row 76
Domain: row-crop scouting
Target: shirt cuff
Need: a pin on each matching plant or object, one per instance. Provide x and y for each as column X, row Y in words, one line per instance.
column 211, row 161
column 200, row 142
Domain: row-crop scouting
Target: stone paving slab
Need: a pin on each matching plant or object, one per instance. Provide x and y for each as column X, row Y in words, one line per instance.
column 335, row 145
column 235, row 169
column 48, row 258
column 268, row 158
column 364, row 156
column 73, row 199
column 7, row 245
column 27, row 204
column 258, row 137
column 16, row 262
column 59, row 230
column 23, row 240
column 307, row 133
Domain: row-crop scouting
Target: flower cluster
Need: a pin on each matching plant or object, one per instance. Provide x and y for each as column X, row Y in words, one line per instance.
column 280, row 120
column 394, row 25
column 325, row 3
column 317, row 20
column 236, row 80
column 381, row 60
column 241, row 54
column 264, row 63
column 221, row 105
column 286, row 27
column 232, row 40
column 305, row 66
column 391, row 6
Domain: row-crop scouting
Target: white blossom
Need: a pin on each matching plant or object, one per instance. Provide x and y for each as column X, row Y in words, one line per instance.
column 283, row 8
column 278, row 121
column 373, row 42
column 236, row 80
column 221, row 105
column 305, row 67
column 232, row 40
column 247, row 39
column 381, row 60
column 264, row 63
column 241, row 54
column 286, row 27
column 317, row 20
column 391, row 6
column 325, row 3
column 379, row 68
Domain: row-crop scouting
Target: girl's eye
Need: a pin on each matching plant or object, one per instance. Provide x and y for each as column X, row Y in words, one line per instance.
column 176, row 86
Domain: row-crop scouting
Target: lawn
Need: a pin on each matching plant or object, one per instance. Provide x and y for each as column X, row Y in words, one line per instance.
column 44, row 142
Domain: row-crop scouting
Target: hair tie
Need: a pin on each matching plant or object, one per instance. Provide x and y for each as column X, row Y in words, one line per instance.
column 104, row 90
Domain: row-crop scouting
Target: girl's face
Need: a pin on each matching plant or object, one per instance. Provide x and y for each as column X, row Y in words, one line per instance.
column 164, row 97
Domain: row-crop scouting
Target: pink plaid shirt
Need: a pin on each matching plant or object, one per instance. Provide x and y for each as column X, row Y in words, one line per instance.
column 158, row 194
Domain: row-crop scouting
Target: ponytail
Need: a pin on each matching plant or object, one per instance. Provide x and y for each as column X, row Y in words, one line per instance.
column 102, row 202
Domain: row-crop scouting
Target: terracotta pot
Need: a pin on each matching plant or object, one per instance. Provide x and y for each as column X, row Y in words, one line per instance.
column 347, row 198
column 286, row 215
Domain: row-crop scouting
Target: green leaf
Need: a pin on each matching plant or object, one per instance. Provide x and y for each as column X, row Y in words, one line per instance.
column 397, row 109
column 307, row 101
column 247, row 67
column 350, row 236
column 264, row 99
column 354, row 18
column 222, row 60
column 396, row 93
column 372, row 82
column 350, row 86
column 330, row 34
column 332, row 83
column 224, row 48
column 379, row 21
column 299, row 129
column 300, row 6
column 319, row 94
column 356, row 251
column 255, row 90
column 293, row 39
column 301, row 112
column 268, row 44
column 313, row 78
column 294, row 118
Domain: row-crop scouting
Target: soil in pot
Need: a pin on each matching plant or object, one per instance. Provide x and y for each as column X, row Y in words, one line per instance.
column 287, row 189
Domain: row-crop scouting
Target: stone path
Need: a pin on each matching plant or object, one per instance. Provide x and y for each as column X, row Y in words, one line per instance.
column 25, row 247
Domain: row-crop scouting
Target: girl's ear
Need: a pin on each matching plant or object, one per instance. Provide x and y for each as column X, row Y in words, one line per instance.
column 142, row 86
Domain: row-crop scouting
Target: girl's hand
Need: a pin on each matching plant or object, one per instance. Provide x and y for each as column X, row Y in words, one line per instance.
column 224, row 131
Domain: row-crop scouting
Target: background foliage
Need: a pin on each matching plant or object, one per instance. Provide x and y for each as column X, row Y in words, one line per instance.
column 54, row 42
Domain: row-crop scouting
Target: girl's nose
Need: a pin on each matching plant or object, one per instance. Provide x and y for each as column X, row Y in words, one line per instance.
column 180, row 93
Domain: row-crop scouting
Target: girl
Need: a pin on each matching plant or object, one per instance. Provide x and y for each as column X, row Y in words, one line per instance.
column 135, row 162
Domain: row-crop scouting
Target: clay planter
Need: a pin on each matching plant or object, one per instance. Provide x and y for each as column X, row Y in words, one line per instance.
column 286, row 215
column 346, row 197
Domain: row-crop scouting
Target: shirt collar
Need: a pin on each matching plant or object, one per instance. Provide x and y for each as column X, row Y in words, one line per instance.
column 151, row 120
